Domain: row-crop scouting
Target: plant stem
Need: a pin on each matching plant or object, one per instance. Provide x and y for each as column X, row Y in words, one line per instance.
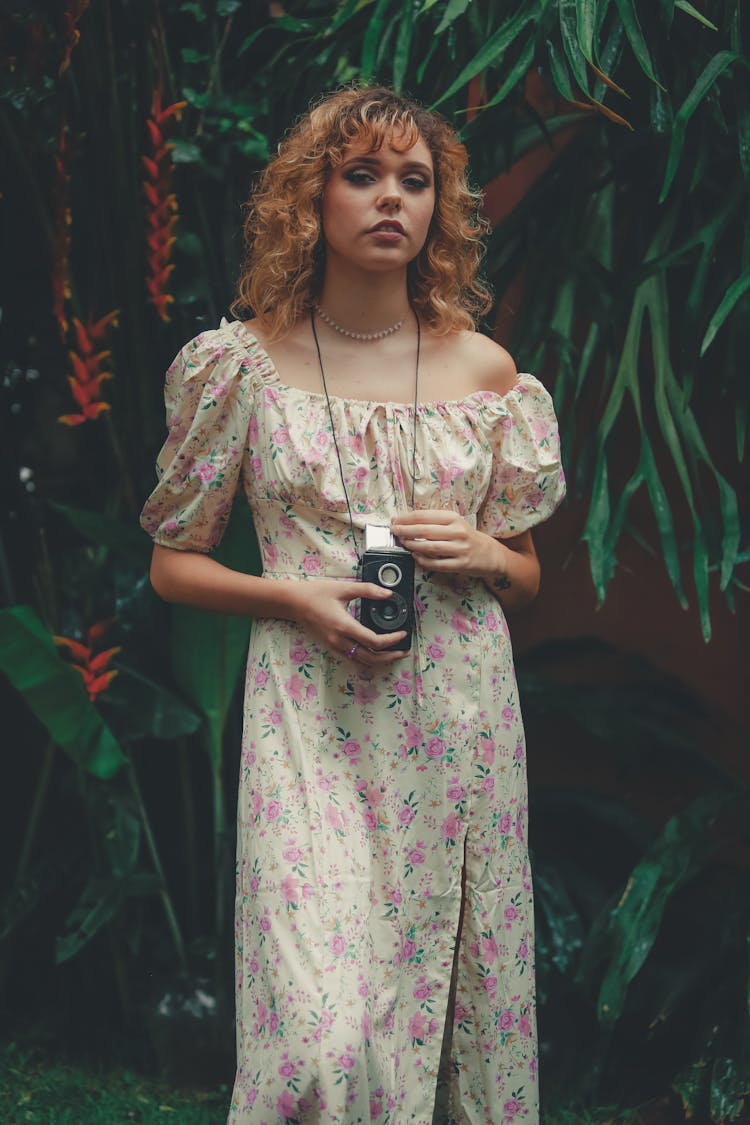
column 188, row 810
column 37, row 805
column 166, row 898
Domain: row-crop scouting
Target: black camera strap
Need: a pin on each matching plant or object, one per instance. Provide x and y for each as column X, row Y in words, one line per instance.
column 333, row 427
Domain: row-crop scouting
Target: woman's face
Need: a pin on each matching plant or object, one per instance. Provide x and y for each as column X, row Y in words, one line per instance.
column 377, row 206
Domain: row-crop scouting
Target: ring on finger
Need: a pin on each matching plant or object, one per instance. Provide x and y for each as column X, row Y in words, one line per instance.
column 350, row 652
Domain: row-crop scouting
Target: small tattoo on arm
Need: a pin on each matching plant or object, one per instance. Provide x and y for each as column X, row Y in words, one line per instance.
column 502, row 583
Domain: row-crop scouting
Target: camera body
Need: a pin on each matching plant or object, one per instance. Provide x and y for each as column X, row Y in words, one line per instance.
column 392, row 567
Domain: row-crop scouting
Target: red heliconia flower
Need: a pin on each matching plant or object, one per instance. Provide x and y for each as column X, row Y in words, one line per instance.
column 61, row 229
column 92, row 666
column 88, row 376
column 71, row 17
column 161, row 204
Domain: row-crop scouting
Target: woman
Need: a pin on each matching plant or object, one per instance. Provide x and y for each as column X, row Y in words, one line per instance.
column 384, row 912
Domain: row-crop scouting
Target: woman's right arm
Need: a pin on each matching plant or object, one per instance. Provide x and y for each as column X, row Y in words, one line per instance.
column 318, row 604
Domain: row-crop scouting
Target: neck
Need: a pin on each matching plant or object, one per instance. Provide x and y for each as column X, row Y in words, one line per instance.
column 365, row 303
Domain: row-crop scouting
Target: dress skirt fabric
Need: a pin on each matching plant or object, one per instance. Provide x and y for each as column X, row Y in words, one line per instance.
column 382, row 813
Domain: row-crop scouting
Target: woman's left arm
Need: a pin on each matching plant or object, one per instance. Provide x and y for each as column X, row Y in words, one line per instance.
column 447, row 543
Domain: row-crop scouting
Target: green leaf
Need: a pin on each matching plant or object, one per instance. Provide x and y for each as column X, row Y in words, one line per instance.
column 586, row 27
column 708, row 76
column 186, row 152
column 692, row 1085
column 209, row 650
column 371, row 41
column 569, row 34
column 736, row 290
column 636, row 38
column 559, row 72
column 684, row 6
column 677, row 855
column 729, row 1085
column 562, row 919
column 663, row 514
column 100, row 901
column 138, row 707
column 55, row 693
column 518, row 70
column 493, row 50
column 124, row 539
column 453, row 9
column 403, row 45
column 594, row 533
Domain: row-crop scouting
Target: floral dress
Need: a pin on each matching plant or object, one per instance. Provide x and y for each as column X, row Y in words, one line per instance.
column 382, row 861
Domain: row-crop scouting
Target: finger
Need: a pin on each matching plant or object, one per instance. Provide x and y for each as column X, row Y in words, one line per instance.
column 434, row 548
column 357, row 634
column 376, row 660
column 424, row 515
column 430, row 532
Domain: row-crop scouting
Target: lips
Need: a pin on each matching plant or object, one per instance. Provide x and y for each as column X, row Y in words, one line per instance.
column 387, row 226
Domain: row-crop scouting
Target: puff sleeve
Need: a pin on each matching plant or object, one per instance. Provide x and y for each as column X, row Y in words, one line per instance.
column 527, row 481
column 209, row 400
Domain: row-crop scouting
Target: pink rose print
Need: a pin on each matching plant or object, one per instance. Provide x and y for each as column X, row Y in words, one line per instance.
column 294, row 686
column 334, row 818
column 406, row 816
column 460, row 1013
column 361, row 474
column 254, row 883
column 419, row 1028
column 510, row 914
column 262, row 677
column 257, row 466
column 376, row 1108
column 489, row 948
column 413, row 735
column 403, row 685
column 451, row 827
column 346, row 1061
column 272, row 554
column 352, row 749
column 252, row 430
column 287, row 1069
column 519, row 752
column 488, row 750
column 338, row 945
column 396, row 896
column 423, row 991
column 206, row 472
column 286, row 1104
column 523, row 950
column 459, row 624
column 491, row 622
column 435, row 651
column 364, row 692
column 280, row 436
column 289, row 885
column 490, row 986
column 371, row 821
column 505, row 1020
column 511, row 1109
column 298, row 653
column 417, row 854
column 535, row 498
column 455, row 790
column 273, row 809
column 435, row 748
column 311, row 564
column 504, row 823
column 524, row 1026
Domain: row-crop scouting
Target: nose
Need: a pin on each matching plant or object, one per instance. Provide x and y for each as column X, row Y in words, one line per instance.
column 390, row 199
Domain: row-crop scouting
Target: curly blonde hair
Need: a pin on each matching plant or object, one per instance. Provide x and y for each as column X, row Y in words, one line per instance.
column 285, row 249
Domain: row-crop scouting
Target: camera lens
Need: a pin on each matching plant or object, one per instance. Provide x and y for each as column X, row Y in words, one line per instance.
column 389, row 575
column 391, row 615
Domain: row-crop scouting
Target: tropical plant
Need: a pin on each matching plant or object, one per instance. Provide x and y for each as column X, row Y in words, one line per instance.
column 131, row 133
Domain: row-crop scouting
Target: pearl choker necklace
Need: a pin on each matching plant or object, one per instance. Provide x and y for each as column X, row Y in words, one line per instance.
column 362, row 337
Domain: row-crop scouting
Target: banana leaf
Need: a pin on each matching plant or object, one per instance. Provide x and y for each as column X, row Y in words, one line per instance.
column 55, row 693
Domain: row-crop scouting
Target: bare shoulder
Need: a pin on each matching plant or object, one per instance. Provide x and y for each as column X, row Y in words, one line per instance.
column 492, row 367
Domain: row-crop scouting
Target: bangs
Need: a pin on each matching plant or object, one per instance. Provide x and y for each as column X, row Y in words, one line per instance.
column 371, row 122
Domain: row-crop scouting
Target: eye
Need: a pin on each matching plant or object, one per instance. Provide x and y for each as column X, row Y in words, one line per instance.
column 416, row 183
column 358, row 176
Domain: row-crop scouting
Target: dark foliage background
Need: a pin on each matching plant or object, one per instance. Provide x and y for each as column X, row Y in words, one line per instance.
column 130, row 134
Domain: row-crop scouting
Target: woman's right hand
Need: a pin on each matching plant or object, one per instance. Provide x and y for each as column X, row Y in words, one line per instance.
column 320, row 604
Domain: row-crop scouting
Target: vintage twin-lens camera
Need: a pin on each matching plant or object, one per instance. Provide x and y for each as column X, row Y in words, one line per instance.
column 391, row 567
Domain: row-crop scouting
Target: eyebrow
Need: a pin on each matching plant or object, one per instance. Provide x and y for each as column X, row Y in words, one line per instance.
column 411, row 165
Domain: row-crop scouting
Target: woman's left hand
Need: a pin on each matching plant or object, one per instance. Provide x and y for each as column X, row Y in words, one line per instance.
column 445, row 541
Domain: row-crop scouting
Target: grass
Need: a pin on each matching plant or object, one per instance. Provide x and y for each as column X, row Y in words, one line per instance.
column 35, row 1090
